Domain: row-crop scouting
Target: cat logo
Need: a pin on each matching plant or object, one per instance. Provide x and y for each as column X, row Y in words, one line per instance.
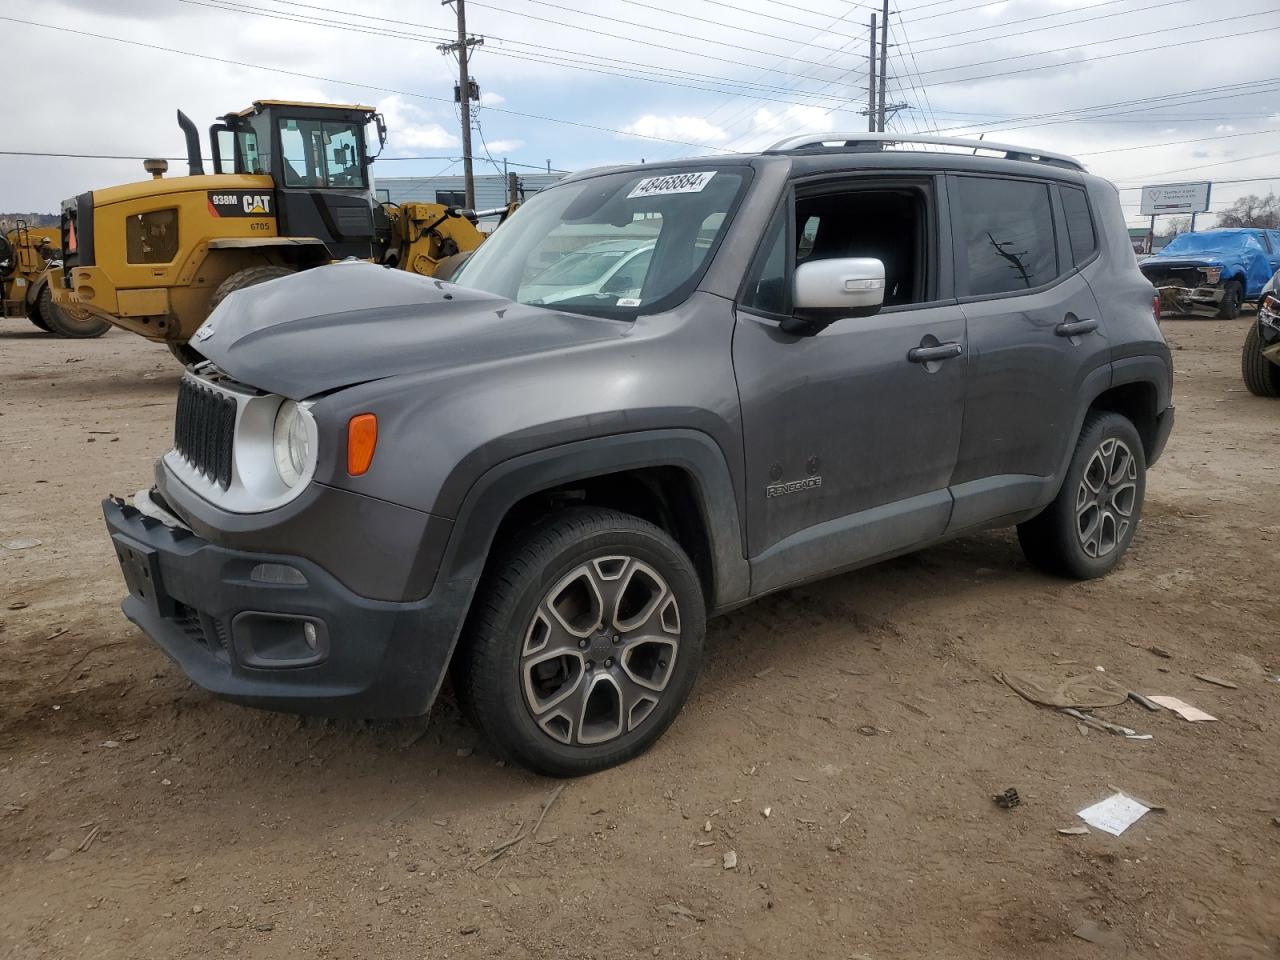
column 239, row 203
column 256, row 203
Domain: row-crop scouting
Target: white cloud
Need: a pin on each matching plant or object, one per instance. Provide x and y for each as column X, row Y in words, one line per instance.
column 489, row 99
column 498, row 147
column 692, row 129
column 410, row 127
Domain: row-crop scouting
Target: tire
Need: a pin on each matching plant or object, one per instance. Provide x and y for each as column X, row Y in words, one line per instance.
column 64, row 323
column 36, row 317
column 248, row 277
column 1108, row 483
column 1261, row 376
column 186, row 354
column 564, row 704
column 1232, row 300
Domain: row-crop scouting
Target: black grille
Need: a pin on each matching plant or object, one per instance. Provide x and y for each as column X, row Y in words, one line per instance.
column 204, row 431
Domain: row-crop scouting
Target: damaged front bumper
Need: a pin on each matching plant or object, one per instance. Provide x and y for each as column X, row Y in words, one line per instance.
column 1178, row 299
column 279, row 632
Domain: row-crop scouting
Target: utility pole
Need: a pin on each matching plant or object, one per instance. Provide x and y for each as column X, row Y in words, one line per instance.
column 464, row 95
column 871, row 81
column 884, row 63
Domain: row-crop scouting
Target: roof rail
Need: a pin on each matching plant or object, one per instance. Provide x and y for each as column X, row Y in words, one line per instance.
column 875, row 142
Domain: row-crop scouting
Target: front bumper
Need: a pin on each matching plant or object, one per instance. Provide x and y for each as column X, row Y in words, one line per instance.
column 247, row 631
column 1175, row 299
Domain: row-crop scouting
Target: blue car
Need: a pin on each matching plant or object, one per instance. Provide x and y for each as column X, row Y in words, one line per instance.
column 1220, row 269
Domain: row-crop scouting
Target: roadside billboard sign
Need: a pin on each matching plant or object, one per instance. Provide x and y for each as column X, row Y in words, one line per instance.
column 1175, row 198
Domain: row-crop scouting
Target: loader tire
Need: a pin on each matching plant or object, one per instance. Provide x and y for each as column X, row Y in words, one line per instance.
column 247, row 277
column 74, row 325
column 1261, row 376
column 188, row 355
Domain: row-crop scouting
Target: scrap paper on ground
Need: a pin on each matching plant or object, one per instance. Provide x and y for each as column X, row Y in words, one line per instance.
column 1183, row 709
column 1114, row 815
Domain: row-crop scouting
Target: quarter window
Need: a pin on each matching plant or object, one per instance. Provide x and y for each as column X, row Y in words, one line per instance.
column 766, row 288
column 1079, row 224
column 1004, row 233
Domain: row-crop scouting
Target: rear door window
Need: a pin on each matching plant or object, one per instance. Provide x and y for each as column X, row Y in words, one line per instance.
column 1004, row 237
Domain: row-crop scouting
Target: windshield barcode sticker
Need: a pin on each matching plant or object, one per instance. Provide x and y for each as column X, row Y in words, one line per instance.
column 671, row 183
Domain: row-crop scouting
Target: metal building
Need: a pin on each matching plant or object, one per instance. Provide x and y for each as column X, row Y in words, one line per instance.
column 491, row 189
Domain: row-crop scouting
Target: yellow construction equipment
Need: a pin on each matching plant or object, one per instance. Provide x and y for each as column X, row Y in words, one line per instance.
column 289, row 189
column 26, row 254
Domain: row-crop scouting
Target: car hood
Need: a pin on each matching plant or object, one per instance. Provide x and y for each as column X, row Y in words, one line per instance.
column 349, row 323
column 1193, row 260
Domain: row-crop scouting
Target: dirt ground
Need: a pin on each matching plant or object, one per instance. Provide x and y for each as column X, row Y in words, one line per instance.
column 844, row 741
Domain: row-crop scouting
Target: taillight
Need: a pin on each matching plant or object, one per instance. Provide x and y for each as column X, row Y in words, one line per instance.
column 1155, row 307
column 71, row 235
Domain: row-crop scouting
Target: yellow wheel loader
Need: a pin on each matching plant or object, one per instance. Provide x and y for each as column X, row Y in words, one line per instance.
column 26, row 256
column 289, row 189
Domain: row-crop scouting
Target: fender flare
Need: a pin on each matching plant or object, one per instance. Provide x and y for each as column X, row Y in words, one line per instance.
column 1145, row 368
column 499, row 488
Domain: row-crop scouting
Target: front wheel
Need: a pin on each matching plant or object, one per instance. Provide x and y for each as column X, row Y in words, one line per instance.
column 1232, row 300
column 70, row 323
column 1088, row 527
column 584, row 641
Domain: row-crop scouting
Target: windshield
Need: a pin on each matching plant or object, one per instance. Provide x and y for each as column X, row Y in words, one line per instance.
column 614, row 245
column 320, row 153
column 1210, row 242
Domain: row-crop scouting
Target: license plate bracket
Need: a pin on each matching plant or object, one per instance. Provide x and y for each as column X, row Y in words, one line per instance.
column 140, row 565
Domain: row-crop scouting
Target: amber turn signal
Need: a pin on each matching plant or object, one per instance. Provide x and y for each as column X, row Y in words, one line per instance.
column 362, row 439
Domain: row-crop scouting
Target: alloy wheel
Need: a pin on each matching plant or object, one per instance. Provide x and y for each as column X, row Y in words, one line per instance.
column 1106, row 498
column 599, row 650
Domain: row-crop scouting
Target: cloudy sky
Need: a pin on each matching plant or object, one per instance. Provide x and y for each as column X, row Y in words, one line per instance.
column 1141, row 90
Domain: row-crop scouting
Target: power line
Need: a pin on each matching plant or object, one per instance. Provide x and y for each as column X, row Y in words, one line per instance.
column 572, row 59
column 1139, row 105
column 1129, row 36
column 648, row 43
column 719, row 24
column 1204, row 166
column 1018, row 33
column 1173, row 143
column 348, row 83
column 119, row 156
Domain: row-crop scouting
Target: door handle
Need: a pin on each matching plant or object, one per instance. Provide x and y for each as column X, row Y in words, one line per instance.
column 1073, row 328
column 941, row 351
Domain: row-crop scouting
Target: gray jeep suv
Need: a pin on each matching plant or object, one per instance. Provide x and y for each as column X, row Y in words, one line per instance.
column 842, row 349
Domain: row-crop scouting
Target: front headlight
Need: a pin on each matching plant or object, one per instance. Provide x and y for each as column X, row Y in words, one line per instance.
column 291, row 442
column 1212, row 274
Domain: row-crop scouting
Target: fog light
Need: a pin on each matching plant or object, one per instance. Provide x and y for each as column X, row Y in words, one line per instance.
column 277, row 573
column 309, row 634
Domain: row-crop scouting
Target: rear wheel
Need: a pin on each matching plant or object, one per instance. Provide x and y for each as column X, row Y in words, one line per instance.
column 36, row 317
column 1261, row 376
column 583, row 643
column 248, row 277
column 1232, row 299
column 70, row 323
column 1085, row 531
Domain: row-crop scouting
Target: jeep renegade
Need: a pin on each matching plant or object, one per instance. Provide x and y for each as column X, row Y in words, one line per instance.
column 746, row 373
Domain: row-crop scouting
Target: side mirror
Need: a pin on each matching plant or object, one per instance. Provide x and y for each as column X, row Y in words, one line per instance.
column 853, row 286
column 829, row 290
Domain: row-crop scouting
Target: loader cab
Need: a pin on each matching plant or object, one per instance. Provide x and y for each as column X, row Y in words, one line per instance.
column 316, row 154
